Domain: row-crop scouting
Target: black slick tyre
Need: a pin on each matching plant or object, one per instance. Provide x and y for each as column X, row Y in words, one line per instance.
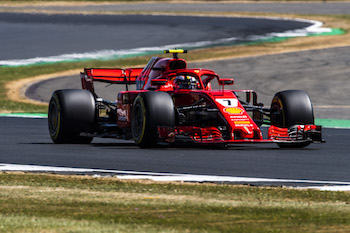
column 71, row 112
column 150, row 110
column 289, row 108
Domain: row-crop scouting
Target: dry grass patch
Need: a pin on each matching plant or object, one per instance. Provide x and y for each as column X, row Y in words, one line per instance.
column 80, row 203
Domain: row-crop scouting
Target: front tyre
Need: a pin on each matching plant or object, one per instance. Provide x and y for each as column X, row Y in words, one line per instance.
column 71, row 112
column 150, row 110
column 289, row 108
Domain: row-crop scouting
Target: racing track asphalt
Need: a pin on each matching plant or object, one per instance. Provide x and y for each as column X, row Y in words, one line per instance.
column 52, row 35
column 26, row 141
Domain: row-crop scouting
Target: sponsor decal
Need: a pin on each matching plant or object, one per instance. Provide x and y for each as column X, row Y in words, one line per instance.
column 228, row 102
column 242, row 122
column 237, row 117
column 234, row 110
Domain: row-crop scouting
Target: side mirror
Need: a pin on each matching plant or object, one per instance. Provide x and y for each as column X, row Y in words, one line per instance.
column 226, row 81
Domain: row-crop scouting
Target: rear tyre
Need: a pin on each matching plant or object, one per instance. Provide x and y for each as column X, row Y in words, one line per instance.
column 71, row 112
column 150, row 110
column 292, row 107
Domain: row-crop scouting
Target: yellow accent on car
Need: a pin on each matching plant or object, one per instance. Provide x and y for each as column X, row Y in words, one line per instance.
column 242, row 122
column 175, row 51
column 233, row 110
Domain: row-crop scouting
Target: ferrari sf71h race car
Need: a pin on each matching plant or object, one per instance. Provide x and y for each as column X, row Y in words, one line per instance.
column 173, row 104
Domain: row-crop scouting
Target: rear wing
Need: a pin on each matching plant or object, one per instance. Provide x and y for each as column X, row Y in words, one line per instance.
column 113, row 76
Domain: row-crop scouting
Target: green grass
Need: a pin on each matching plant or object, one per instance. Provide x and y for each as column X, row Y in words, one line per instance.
column 51, row 203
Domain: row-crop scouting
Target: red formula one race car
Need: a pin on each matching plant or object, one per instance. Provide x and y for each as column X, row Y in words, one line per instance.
column 173, row 104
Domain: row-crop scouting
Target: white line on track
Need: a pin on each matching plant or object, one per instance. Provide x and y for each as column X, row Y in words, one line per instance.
column 155, row 176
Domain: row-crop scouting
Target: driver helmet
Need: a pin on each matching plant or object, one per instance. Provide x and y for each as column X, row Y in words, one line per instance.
column 185, row 82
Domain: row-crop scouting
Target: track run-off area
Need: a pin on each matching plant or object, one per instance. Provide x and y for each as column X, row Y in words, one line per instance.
column 25, row 143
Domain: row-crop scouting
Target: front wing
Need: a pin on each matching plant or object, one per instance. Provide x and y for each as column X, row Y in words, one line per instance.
column 298, row 134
